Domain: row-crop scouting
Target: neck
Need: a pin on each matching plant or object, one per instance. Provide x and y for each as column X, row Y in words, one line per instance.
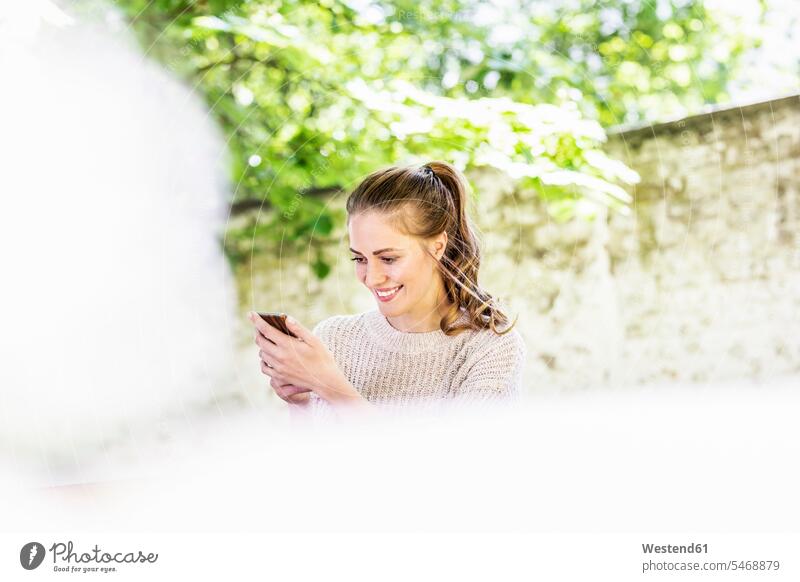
column 421, row 320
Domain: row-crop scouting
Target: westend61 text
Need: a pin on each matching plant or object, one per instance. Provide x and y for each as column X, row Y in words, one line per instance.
column 64, row 551
column 670, row 549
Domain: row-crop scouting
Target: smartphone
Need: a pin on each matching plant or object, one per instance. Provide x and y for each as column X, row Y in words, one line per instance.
column 276, row 320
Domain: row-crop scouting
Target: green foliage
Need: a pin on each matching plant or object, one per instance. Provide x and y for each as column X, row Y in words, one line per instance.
column 622, row 61
column 314, row 95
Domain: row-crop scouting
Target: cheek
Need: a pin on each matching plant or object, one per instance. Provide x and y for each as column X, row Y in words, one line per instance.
column 404, row 275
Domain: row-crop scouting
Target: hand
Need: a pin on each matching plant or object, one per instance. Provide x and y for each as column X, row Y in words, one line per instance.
column 294, row 396
column 301, row 362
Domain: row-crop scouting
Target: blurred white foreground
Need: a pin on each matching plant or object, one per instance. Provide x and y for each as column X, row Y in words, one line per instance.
column 117, row 302
column 715, row 458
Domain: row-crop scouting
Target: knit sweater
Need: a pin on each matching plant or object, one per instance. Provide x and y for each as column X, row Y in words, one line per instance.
column 394, row 369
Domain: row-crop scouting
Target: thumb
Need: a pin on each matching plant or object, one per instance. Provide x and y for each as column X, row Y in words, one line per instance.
column 291, row 389
column 297, row 329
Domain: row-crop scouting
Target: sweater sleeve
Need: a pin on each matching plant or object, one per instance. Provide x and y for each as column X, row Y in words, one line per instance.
column 495, row 373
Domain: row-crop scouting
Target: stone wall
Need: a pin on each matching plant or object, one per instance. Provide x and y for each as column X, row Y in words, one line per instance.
column 708, row 271
column 700, row 282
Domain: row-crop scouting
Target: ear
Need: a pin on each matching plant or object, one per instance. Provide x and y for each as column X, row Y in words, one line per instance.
column 439, row 245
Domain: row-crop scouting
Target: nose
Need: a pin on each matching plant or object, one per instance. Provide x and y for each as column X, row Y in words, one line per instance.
column 374, row 276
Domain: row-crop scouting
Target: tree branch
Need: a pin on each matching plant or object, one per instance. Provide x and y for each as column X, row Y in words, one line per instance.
column 248, row 204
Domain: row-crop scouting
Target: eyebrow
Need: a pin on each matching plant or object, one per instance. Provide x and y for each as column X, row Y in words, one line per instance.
column 377, row 252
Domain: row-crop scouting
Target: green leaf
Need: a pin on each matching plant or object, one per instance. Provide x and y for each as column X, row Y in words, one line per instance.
column 321, row 268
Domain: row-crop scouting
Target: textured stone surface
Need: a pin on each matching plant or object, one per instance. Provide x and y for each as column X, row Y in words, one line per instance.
column 710, row 287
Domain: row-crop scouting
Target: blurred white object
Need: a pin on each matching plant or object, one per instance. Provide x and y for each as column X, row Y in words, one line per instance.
column 117, row 303
column 670, row 458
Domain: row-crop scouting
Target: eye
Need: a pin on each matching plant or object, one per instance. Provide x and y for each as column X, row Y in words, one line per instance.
column 386, row 260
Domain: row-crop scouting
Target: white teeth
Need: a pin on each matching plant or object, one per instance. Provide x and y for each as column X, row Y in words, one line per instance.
column 387, row 293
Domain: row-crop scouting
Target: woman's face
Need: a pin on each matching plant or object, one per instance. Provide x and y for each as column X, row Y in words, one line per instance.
column 403, row 279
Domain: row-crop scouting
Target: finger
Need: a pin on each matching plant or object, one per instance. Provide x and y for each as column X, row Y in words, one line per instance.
column 293, row 394
column 291, row 389
column 276, row 380
column 266, row 358
column 300, row 399
column 298, row 329
column 259, row 337
column 281, row 392
column 274, row 374
column 270, row 349
column 265, row 329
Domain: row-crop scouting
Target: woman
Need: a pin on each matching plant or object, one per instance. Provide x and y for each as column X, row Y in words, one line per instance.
column 435, row 336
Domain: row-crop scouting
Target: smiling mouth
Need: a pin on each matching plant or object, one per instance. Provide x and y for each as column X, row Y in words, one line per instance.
column 389, row 293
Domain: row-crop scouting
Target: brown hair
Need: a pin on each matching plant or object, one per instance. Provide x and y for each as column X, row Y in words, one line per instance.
column 426, row 201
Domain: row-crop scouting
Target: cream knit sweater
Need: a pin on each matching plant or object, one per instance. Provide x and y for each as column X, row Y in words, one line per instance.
column 394, row 369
